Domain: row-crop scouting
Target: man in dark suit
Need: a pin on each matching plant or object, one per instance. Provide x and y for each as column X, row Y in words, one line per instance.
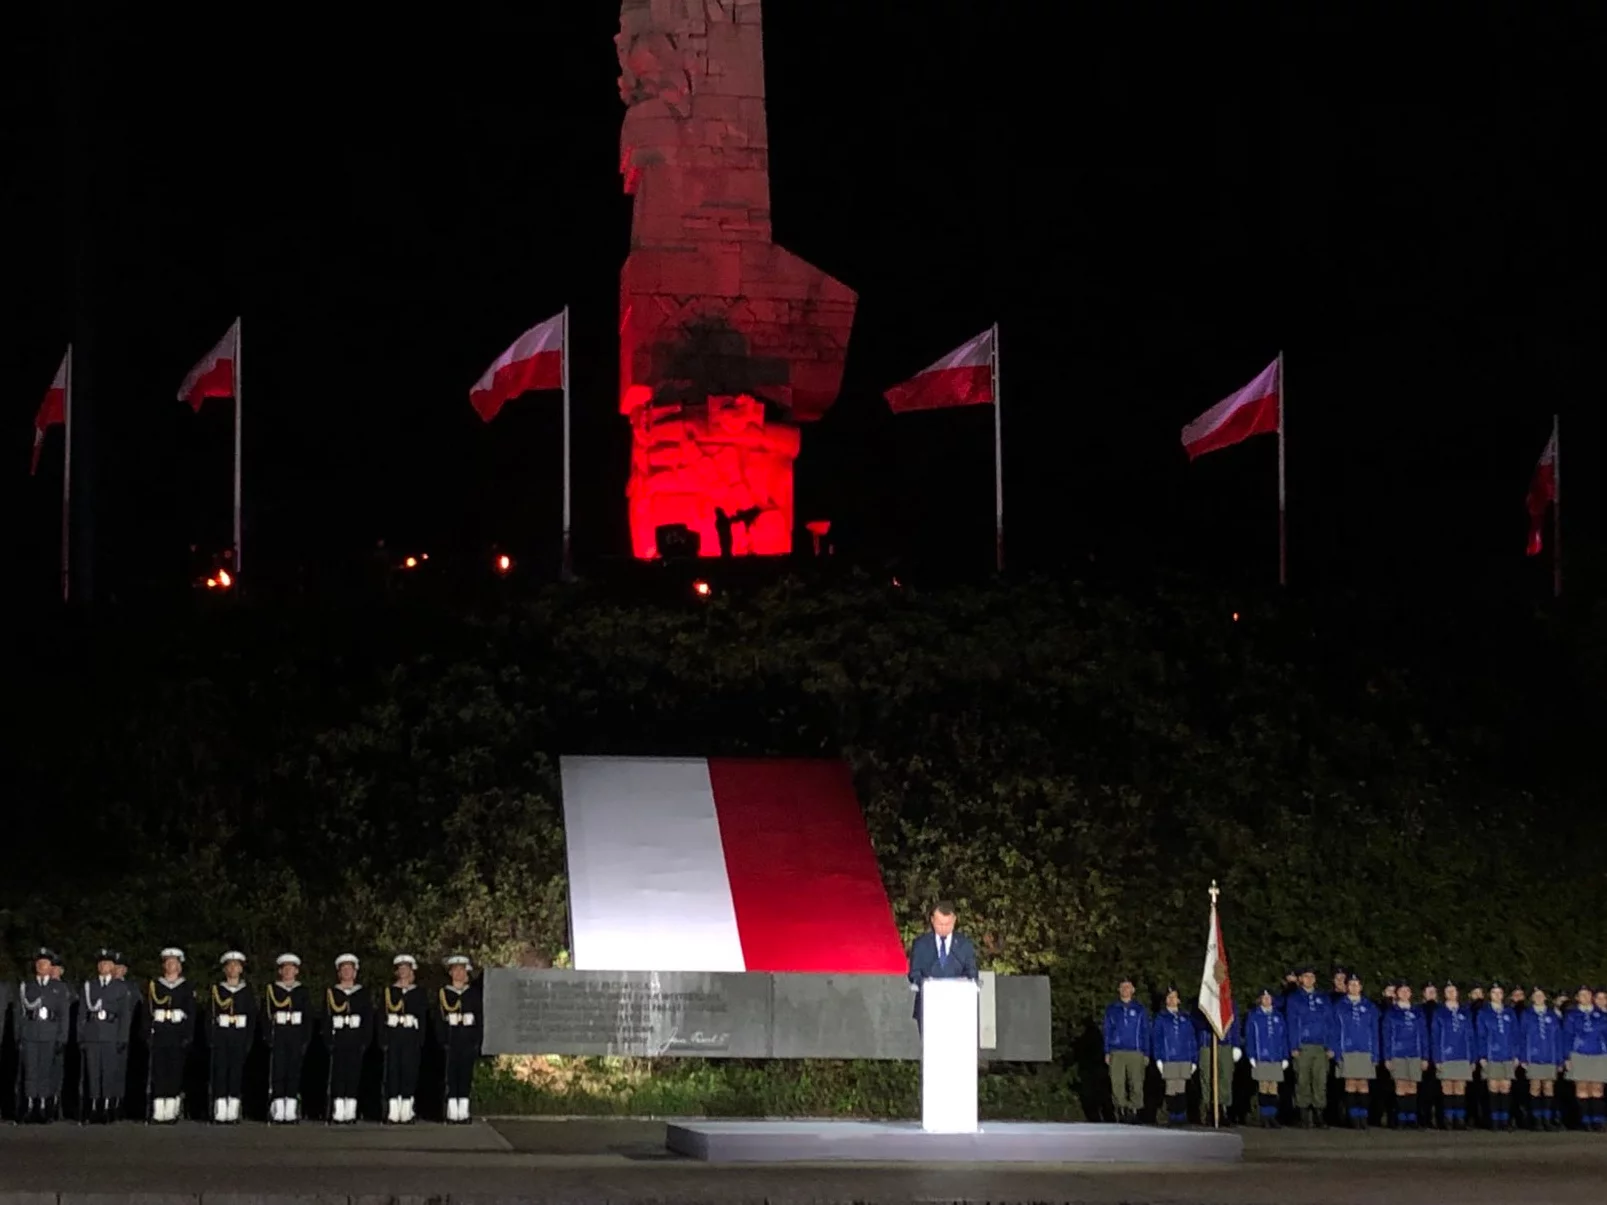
column 940, row 954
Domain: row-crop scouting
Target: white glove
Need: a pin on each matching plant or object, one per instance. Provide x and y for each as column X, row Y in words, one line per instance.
column 295, row 1018
column 392, row 1020
column 1160, row 1067
column 281, row 1018
column 176, row 1014
column 468, row 1018
column 1238, row 1053
column 1252, row 1064
column 1286, row 1064
column 1193, row 1067
column 43, row 1013
column 353, row 1022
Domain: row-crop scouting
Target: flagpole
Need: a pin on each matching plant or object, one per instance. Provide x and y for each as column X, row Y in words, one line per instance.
column 1216, row 1082
column 998, row 459
column 1283, row 508
column 67, row 481
column 239, row 388
column 566, row 565
column 1556, row 506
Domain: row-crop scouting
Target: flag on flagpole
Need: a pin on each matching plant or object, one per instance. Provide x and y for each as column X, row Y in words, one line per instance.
column 214, row 376
column 535, row 361
column 1253, row 410
column 1542, row 493
column 1216, row 993
column 964, row 377
column 52, row 410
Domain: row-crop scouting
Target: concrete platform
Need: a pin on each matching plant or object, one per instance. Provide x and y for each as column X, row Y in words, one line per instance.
column 906, row 1142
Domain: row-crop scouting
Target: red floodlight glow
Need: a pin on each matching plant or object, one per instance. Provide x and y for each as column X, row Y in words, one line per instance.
column 224, row 579
column 503, row 563
column 702, row 588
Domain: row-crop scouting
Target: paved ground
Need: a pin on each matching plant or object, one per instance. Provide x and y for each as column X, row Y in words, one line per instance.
column 578, row 1162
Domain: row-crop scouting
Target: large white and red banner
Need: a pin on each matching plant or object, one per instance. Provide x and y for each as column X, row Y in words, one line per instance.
column 535, row 361
column 1216, row 991
column 687, row 864
column 214, row 375
column 52, row 410
column 964, row 377
column 1542, row 493
column 1253, row 410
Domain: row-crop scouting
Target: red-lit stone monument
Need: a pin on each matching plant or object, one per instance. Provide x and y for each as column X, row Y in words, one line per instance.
column 728, row 343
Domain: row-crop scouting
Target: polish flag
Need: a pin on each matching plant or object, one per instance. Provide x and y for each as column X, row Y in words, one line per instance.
column 687, row 864
column 964, row 377
column 1253, row 410
column 535, row 361
column 214, row 375
column 1542, row 493
column 1216, row 993
column 52, row 410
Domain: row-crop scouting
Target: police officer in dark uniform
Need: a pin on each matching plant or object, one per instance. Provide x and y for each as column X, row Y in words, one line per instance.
column 401, row 1036
column 458, row 1030
column 43, row 1004
column 105, row 1022
column 287, row 1028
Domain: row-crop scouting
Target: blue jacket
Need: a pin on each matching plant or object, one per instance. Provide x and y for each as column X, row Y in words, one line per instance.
column 1451, row 1039
column 1354, row 1028
column 1539, row 1036
column 1127, row 1027
column 1172, row 1037
column 1584, row 1031
column 1308, row 1016
column 1265, row 1035
column 1497, row 1034
column 1405, row 1033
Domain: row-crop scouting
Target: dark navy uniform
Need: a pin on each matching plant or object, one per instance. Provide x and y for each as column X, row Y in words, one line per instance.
column 348, row 1033
column 171, row 1014
column 400, row 1033
column 42, row 1017
column 231, row 1030
column 106, row 1007
column 287, row 1029
column 459, row 1028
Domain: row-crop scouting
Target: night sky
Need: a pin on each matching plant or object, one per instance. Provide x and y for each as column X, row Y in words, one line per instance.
column 1150, row 206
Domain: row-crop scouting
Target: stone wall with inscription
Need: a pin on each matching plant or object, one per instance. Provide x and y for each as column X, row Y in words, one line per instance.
column 650, row 1014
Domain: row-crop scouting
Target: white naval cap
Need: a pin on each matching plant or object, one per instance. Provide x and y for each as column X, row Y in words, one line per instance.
column 173, row 952
column 231, row 956
column 351, row 958
column 457, row 960
column 292, row 959
column 405, row 960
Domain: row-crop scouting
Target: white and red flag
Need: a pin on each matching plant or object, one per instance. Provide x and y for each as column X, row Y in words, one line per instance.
column 535, row 361
column 52, row 410
column 1216, row 993
column 964, row 377
column 1253, row 410
column 215, row 375
column 693, row 864
column 1542, row 493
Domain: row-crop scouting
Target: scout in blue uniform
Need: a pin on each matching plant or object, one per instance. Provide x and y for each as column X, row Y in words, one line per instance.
column 1353, row 1045
column 1452, row 1045
column 1405, row 1042
column 1584, row 1049
column 1428, row 1096
column 1205, row 1037
column 1126, row 1052
column 1172, row 1046
column 1307, row 1012
column 1539, row 1055
column 1264, row 1035
column 1497, row 1036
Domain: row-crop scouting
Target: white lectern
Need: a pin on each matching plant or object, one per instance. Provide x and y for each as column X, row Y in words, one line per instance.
column 948, row 1056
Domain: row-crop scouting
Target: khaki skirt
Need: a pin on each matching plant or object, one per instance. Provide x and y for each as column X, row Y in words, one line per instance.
column 1357, row 1066
column 1499, row 1071
column 1588, row 1068
column 1406, row 1070
column 1534, row 1072
column 1457, row 1069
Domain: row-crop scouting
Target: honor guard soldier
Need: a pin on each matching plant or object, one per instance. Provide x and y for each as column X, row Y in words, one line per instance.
column 1265, row 1038
column 1308, row 1012
column 1496, row 1033
column 42, row 1030
column 1405, row 1042
column 170, row 1005
column 105, row 1021
column 1173, row 1047
column 1539, row 1055
column 1126, row 1052
column 232, row 1031
column 58, row 968
column 287, row 1027
column 1584, row 1050
column 1453, row 1046
column 458, row 1030
column 1354, row 1047
column 401, row 1037
column 349, row 1031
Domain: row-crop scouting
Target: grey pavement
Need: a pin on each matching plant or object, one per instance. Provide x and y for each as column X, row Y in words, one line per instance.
column 583, row 1161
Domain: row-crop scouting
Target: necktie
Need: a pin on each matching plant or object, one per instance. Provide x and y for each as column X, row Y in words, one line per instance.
column 942, row 949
